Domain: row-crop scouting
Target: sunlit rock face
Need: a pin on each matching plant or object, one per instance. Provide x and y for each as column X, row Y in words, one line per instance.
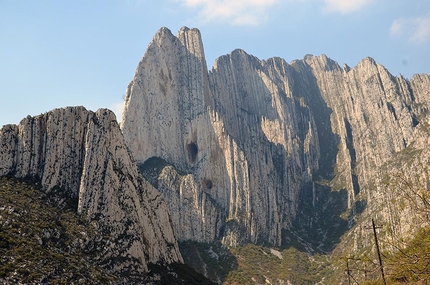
column 81, row 155
column 244, row 144
column 240, row 147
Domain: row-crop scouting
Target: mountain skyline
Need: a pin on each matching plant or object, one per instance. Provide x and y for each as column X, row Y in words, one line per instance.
column 252, row 151
column 84, row 53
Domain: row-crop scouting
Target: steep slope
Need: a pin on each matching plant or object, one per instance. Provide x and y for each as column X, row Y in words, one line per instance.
column 41, row 243
column 78, row 154
column 252, row 150
column 244, row 145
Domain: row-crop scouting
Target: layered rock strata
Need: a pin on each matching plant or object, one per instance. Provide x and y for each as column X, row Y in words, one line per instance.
column 82, row 155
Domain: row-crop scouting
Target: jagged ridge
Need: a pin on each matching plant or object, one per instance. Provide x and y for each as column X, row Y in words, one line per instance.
column 258, row 138
column 82, row 155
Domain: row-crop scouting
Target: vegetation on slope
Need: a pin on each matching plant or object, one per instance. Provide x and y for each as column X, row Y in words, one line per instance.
column 412, row 263
column 407, row 258
column 253, row 264
column 41, row 242
column 408, row 264
column 274, row 266
column 213, row 260
column 404, row 238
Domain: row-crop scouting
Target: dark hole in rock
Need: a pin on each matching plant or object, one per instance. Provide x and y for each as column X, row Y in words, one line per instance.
column 192, row 151
column 207, row 183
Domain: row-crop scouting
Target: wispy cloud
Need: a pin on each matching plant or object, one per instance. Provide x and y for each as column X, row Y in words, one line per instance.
column 397, row 27
column 238, row 12
column 417, row 30
column 346, row 6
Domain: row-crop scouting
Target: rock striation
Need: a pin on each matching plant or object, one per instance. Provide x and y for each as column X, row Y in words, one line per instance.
column 81, row 155
column 232, row 133
column 241, row 150
column 172, row 122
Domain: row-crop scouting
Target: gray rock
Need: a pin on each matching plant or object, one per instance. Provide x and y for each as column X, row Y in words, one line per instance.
column 233, row 131
column 82, row 155
column 252, row 137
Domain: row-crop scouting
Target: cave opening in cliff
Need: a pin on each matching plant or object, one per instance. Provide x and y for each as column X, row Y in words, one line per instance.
column 192, row 150
column 207, row 183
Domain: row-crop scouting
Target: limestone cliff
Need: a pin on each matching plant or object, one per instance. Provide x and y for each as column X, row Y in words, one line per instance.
column 242, row 150
column 81, row 155
column 172, row 122
column 245, row 144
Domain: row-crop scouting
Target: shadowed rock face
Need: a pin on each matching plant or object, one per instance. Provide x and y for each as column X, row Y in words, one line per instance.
column 82, row 155
column 240, row 147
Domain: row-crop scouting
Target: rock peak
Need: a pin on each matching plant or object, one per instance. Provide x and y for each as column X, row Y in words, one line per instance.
column 184, row 29
column 162, row 79
column 323, row 61
column 367, row 62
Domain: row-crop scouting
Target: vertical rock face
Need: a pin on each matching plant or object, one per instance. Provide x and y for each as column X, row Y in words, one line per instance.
column 237, row 150
column 374, row 114
column 245, row 144
column 382, row 124
column 370, row 115
column 379, row 124
column 275, row 134
column 171, row 121
column 173, row 76
column 82, row 155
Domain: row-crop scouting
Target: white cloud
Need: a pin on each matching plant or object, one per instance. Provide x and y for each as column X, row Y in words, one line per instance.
column 417, row 30
column 117, row 109
column 346, row 6
column 237, row 12
column 422, row 30
column 397, row 27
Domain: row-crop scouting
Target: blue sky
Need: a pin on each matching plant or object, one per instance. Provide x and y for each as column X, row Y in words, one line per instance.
column 66, row 53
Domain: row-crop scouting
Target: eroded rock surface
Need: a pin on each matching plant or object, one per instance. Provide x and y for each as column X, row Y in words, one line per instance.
column 232, row 131
column 257, row 142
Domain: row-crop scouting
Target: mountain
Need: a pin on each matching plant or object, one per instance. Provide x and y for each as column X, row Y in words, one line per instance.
column 232, row 155
column 252, row 165
column 79, row 158
column 268, row 152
